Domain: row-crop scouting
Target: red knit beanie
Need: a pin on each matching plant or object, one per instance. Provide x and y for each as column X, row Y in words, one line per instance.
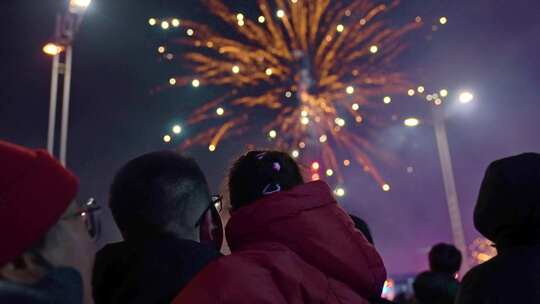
column 35, row 191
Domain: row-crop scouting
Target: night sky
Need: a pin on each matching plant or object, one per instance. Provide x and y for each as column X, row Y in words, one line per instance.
column 490, row 47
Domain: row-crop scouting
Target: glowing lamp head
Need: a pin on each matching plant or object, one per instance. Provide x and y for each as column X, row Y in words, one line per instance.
column 152, row 21
column 272, row 134
column 195, row 83
column 411, row 92
column 355, row 107
column 315, row 166
column 387, row 99
column 79, row 6
column 411, row 122
column 52, row 49
column 190, row 32
column 167, row 138
column 165, row 25
column 268, row 72
column 466, row 97
column 323, row 138
column 212, row 148
column 235, row 69
column 340, row 28
column 177, row 129
column 240, row 16
column 444, row 93
column 304, row 121
column 386, row 187
column 280, row 13
column 175, row 22
column 373, row 49
column 172, row 81
column 295, row 153
column 443, row 20
column 220, row 111
column 346, row 163
column 421, row 89
column 261, row 19
column 329, row 172
column 350, row 90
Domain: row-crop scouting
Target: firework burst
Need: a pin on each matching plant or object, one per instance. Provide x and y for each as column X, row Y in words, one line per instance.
column 318, row 69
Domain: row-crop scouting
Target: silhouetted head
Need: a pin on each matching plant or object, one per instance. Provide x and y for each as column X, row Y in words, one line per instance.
column 260, row 173
column 361, row 225
column 445, row 258
column 160, row 192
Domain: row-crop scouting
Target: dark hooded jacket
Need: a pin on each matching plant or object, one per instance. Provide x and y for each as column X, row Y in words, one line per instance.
column 150, row 271
column 508, row 213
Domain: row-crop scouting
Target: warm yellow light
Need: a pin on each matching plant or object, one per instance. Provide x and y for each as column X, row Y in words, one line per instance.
column 167, row 138
column 386, row 187
column 295, row 153
column 444, row 92
column 220, row 111
column 304, row 113
column 387, row 99
column 443, row 20
column 152, row 21
column 315, row 166
column 268, row 71
column 315, row 177
column 373, row 49
column 304, row 120
column 340, row 121
column 329, row 172
column 288, row 94
column 421, row 89
column 340, row 28
column 350, row 90
column 261, row 19
column 195, row 83
column 340, row 192
column 212, row 148
column 190, row 32
column 165, row 25
column 177, row 129
column 323, row 138
column 161, row 49
column 240, row 16
column 411, row 92
column 172, row 81
column 346, row 163
column 355, row 106
column 280, row 13
column 359, row 119
column 52, row 49
column 175, row 22
column 241, row 22
column 236, row 69
column 411, row 122
column 272, row 134
column 466, row 97
column 294, row 1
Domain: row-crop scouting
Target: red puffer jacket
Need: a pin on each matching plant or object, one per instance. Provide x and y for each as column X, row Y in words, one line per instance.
column 291, row 247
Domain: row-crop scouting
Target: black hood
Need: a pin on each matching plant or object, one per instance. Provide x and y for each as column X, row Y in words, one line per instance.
column 151, row 271
column 508, row 207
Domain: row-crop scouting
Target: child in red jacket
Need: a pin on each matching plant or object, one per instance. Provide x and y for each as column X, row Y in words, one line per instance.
column 290, row 242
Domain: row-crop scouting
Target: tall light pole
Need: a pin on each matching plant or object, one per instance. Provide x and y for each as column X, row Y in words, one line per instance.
column 449, row 181
column 66, row 27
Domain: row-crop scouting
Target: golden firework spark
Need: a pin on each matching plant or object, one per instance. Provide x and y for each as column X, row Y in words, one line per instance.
column 321, row 67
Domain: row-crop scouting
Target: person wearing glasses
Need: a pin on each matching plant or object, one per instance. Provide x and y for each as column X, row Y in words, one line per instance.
column 171, row 229
column 290, row 243
column 47, row 235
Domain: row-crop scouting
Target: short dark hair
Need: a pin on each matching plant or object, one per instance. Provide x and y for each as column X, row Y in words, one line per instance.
column 445, row 258
column 254, row 171
column 361, row 225
column 158, row 192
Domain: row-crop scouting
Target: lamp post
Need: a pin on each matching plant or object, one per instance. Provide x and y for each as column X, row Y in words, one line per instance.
column 61, row 50
column 449, row 181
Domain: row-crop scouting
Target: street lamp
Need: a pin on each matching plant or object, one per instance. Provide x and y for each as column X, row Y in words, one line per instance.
column 61, row 50
column 443, row 148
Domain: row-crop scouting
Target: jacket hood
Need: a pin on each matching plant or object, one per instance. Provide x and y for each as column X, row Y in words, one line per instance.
column 508, row 207
column 308, row 221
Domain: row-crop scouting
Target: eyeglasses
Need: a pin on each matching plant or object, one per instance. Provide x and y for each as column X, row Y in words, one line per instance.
column 217, row 201
column 89, row 212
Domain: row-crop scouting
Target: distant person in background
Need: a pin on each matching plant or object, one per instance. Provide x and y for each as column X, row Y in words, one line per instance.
column 47, row 251
column 361, row 225
column 161, row 204
column 290, row 243
column 439, row 285
column 508, row 214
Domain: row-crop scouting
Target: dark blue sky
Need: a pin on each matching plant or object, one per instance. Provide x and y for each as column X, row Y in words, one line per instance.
column 489, row 46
